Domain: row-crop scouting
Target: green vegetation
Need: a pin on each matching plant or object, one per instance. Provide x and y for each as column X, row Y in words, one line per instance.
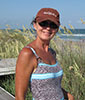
column 70, row 54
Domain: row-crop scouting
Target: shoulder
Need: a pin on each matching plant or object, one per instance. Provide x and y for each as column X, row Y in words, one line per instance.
column 26, row 58
column 26, row 52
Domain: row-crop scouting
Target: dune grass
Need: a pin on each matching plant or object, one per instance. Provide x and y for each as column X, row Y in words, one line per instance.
column 70, row 54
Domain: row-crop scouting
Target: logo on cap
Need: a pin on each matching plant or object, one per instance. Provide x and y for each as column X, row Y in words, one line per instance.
column 49, row 13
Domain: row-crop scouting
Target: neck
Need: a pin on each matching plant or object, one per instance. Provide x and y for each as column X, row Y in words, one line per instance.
column 42, row 44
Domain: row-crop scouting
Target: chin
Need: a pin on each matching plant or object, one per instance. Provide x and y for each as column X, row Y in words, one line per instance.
column 46, row 39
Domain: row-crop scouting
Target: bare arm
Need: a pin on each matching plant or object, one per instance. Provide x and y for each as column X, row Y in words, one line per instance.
column 24, row 67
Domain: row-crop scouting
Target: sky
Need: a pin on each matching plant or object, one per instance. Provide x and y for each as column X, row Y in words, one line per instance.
column 17, row 13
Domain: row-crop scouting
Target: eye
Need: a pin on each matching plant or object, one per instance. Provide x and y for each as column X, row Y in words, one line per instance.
column 43, row 24
column 53, row 25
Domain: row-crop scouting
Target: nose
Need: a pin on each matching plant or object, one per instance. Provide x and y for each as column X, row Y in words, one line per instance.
column 48, row 28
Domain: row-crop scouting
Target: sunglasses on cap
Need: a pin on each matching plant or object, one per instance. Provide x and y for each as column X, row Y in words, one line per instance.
column 48, row 24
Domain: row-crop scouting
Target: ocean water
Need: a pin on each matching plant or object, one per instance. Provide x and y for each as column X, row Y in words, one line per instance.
column 70, row 34
column 74, row 35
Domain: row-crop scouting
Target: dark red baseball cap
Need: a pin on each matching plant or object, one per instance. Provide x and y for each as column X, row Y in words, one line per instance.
column 48, row 14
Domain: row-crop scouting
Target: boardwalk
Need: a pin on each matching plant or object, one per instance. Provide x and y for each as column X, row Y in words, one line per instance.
column 7, row 66
column 4, row 95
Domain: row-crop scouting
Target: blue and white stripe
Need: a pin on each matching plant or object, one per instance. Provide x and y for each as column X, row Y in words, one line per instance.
column 46, row 75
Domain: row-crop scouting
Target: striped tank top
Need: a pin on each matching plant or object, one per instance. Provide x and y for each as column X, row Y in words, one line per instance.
column 45, row 81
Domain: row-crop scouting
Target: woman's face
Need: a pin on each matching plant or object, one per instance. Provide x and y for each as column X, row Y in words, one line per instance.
column 45, row 30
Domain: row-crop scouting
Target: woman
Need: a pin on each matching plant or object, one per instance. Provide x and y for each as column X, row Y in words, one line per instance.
column 37, row 64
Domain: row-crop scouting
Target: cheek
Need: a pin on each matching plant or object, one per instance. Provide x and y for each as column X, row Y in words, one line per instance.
column 37, row 28
column 55, row 31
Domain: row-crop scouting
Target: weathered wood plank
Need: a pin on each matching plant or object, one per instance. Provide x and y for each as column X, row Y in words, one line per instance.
column 4, row 95
column 7, row 66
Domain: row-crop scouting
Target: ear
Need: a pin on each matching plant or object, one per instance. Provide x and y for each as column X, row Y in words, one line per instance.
column 35, row 26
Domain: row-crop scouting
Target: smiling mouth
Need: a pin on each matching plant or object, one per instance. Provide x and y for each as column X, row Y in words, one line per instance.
column 48, row 33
